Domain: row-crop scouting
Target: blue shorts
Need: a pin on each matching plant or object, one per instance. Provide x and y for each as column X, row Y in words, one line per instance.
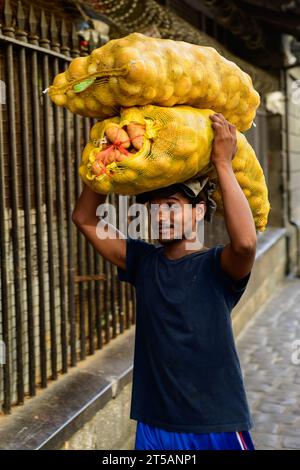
column 150, row 437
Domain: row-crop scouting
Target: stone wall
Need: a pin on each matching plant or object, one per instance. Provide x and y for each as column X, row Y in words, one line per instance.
column 110, row 428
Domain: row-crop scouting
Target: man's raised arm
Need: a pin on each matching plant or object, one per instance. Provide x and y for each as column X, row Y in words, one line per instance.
column 238, row 256
column 113, row 245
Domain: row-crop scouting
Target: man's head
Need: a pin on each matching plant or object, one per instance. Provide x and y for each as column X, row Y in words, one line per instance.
column 177, row 209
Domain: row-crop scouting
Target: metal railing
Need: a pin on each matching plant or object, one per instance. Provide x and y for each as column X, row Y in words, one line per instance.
column 60, row 300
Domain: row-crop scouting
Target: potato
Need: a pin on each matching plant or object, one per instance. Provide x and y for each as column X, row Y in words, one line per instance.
column 60, row 80
column 125, row 176
column 149, row 93
column 247, row 193
column 105, row 185
column 166, row 92
column 119, row 156
column 103, row 95
column 98, row 168
column 129, row 88
column 136, row 134
column 182, row 86
column 101, row 156
column 79, row 103
column 92, row 68
column 243, row 179
column 255, row 202
column 60, row 100
column 91, row 104
column 125, row 55
column 114, row 87
column 78, row 68
column 238, row 164
column 138, row 71
column 115, row 134
column 110, row 156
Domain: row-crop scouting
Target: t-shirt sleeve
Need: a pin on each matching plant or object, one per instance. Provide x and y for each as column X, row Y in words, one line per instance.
column 136, row 250
column 233, row 288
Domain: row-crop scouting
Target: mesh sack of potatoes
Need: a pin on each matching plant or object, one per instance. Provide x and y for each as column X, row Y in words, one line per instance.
column 150, row 147
column 137, row 70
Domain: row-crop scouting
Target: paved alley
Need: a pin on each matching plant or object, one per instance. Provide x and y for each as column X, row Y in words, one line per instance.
column 271, row 367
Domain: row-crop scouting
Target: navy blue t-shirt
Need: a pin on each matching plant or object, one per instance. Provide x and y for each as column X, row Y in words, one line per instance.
column 186, row 373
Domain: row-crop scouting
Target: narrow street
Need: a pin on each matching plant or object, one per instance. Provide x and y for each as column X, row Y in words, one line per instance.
column 271, row 376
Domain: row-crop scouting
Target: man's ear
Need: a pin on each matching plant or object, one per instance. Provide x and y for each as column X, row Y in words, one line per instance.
column 200, row 210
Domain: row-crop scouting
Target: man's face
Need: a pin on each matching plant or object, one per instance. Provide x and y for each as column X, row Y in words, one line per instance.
column 174, row 218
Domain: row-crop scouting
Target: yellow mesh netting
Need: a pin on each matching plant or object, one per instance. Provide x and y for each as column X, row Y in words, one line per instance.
column 137, row 70
column 166, row 145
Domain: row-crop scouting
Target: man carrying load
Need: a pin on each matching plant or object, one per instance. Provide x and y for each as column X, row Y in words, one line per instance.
column 188, row 390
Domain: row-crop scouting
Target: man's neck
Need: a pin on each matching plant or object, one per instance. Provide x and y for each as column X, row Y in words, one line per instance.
column 180, row 248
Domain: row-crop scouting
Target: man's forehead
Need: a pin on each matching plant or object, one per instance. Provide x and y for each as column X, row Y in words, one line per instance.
column 160, row 200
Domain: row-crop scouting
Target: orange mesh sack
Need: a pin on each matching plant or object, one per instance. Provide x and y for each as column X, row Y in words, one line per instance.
column 137, row 70
column 151, row 147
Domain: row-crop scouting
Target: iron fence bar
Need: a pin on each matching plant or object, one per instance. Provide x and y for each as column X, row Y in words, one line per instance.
column 39, row 221
column 113, row 286
column 90, row 268
column 120, row 285
column 97, row 291
column 113, row 302
column 109, row 291
column 70, row 250
column 133, row 305
column 80, row 241
column 15, row 220
column 98, row 300
column 128, row 290
column 106, row 301
column 49, row 215
column 27, row 219
column 60, row 228
column 91, row 300
column 6, row 407
column 81, row 300
column 121, row 306
column 127, row 306
column 70, row 227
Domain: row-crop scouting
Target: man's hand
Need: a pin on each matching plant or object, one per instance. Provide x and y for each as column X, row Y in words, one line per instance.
column 224, row 144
